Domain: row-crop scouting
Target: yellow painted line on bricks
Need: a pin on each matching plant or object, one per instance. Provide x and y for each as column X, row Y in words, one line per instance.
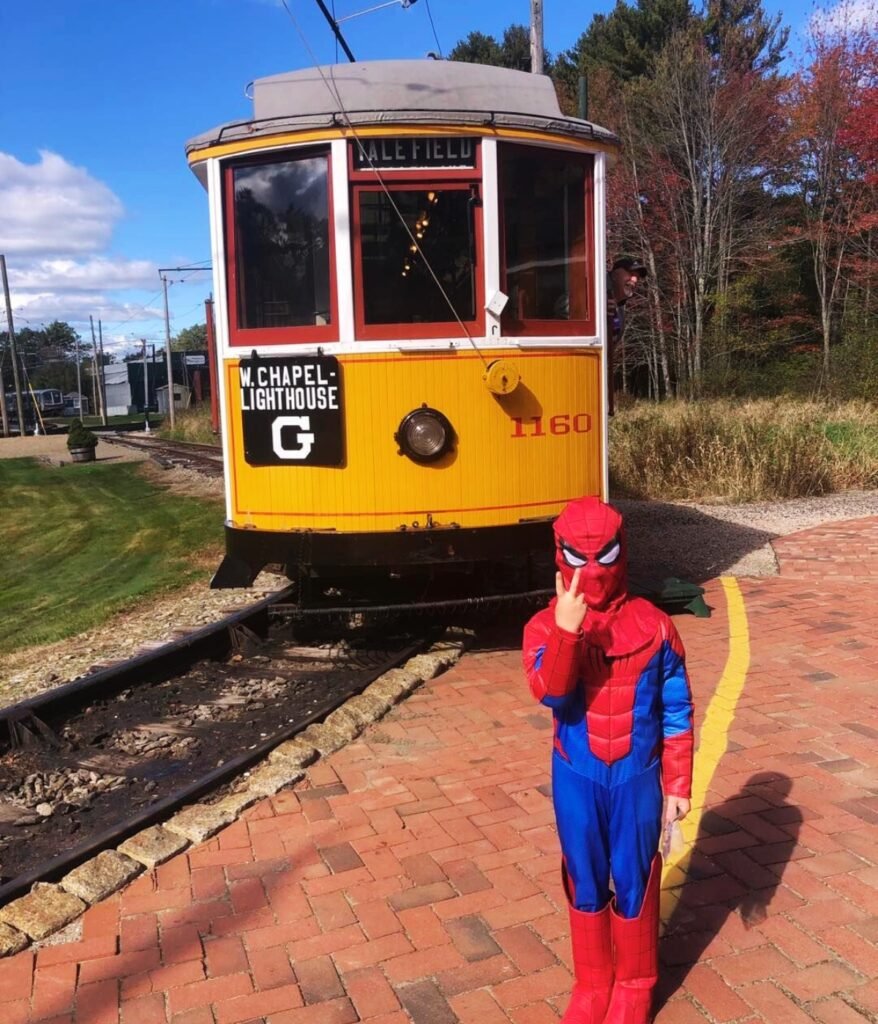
column 713, row 740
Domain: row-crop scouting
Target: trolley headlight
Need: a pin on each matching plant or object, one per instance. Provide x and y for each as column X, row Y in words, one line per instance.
column 425, row 435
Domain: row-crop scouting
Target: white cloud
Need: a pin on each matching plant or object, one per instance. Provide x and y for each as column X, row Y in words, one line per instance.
column 56, row 224
column 90, row 275
column 52, row 208
column 848, row 15
column 42, row 307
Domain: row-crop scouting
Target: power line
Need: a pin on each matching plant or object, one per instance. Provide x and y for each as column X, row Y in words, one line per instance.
column 433, row 27
column 336, row 95
column 336, row 41
column 193, row 268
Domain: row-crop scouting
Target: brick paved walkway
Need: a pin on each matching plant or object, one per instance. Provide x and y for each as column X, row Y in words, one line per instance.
column 414, row 876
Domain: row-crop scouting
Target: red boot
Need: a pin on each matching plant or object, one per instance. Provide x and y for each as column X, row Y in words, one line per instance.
column 592, row 965
column 636, row 944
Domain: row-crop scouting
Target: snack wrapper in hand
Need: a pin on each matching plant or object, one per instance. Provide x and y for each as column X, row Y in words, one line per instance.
column 672, row 839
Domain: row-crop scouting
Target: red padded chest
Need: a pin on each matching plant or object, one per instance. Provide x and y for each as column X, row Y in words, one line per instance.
column 609, row 700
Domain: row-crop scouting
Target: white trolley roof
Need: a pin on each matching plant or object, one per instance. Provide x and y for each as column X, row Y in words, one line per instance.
column 402, row 92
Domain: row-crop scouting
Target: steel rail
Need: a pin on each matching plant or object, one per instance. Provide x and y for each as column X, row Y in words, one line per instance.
column 158, row 442
column 55, row 868
column 149, row 667
column 460, row 604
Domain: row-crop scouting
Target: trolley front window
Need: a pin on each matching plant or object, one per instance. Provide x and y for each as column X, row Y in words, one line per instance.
column 416, row 264
column 547, row 251
column 281, row 259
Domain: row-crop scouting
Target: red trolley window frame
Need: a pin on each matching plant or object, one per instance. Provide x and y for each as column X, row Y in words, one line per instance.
column 538, row 327
column 427, row 329
column 417, row 180
column 305, row 334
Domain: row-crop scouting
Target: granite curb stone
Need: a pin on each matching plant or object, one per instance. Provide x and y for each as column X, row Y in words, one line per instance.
column 45, row 909
column 153, row 846
column 49, row 908
column 101, row 876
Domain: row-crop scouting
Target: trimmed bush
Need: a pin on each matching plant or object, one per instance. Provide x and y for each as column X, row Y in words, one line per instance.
column 79, row 436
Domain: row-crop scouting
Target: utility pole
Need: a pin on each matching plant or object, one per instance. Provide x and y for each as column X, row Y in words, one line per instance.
column 145, row 391
column 78, row 375
column 19, row 401
column 163, row 275
column 94, row 385
column 3, row 411
column 168, row 354
column 103, row 382
column 582, row 105
column 536, row 36
column 95, row 388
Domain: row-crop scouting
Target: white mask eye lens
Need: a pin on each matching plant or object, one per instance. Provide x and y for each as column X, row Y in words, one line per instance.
column 572, row 560
column 611, row 556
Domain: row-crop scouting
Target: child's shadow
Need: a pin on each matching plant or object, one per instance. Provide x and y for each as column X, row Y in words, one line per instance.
column 736, row 864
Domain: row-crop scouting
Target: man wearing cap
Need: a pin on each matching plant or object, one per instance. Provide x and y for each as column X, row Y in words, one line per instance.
column 622, row 281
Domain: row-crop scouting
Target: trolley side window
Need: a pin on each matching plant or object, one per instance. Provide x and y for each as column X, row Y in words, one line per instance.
column 546, row 224
column 280, row 260
column 430, row 232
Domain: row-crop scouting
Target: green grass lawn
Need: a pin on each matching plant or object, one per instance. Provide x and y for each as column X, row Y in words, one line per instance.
column 80, row 542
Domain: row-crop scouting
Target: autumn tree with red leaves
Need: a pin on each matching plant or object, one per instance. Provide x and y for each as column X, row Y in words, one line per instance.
column 832, row 117
column 751, row 195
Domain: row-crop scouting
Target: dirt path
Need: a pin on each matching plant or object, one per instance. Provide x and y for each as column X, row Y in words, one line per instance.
column 52, row 448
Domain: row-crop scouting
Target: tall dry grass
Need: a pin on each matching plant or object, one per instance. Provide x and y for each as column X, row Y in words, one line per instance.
column 191, row 425
column 743, row 451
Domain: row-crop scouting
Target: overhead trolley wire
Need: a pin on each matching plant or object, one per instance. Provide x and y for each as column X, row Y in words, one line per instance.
column 433, row 27
column 333, row 91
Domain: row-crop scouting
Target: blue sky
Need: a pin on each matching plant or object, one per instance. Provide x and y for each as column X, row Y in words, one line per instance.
column 99, row 96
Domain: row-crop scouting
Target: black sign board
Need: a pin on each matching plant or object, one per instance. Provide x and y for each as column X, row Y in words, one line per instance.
column 291, row 407
column 410, row 151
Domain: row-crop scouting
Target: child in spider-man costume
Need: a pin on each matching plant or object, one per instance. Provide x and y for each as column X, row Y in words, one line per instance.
column 611, row 667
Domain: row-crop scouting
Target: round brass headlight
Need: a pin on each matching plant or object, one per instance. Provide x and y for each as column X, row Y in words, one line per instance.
column 425, row 435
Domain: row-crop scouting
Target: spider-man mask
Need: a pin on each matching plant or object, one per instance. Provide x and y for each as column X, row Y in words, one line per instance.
column 589, row 536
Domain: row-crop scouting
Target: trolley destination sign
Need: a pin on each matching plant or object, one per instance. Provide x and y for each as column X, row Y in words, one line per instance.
column 411, row 151
column 291, row 410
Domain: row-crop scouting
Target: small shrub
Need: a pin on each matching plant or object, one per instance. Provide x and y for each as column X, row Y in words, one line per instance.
column 79, row 436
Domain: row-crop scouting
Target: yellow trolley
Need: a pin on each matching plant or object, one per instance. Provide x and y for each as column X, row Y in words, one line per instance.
column 410, row 303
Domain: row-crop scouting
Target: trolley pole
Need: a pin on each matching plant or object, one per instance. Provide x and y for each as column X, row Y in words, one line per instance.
column 145, row 391
column 19, row 401
column 336, row 31
column 536, row 37
column 168, row 354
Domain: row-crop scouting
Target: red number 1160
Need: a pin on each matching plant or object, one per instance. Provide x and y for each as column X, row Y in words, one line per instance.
column 562, row 423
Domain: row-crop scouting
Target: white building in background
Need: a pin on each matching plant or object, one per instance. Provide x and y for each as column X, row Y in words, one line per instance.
column 182, row 397
column 124, row 383
column 118, row 388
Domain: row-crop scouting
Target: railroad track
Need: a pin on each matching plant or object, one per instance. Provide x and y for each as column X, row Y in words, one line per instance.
column 204, row 458
column 93, row 762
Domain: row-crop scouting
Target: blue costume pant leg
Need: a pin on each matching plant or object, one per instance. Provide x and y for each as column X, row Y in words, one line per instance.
column 607, row 829
column 635, row 829
column 582, row 811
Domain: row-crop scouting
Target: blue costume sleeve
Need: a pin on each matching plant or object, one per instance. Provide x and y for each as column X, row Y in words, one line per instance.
column 677, row 746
